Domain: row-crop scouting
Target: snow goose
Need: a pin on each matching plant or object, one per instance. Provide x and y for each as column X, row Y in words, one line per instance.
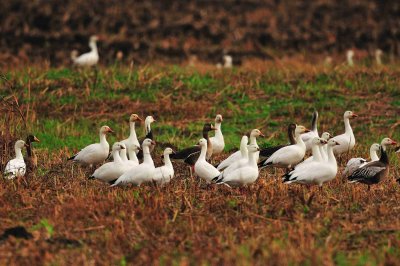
column 322, row 148
column 378, row 56
column 142, row 173
column 317, row 143
column 218, row 143
column 289, row 156
column 148, row 133
column 346, row 140
column 267, row 152
column 244, row 175
column 132, row 139
column 191, row 154
column 16, row 167
column 110, row 171
column 255, row 133
column 133, row 160
column 87, row 59
column 244, row 159
column 31, row 158
column 165, row 173
column 309, row 136
column 316, row 173
column 349, row 57
column 94, row 153
column 374, row 172
column 202, row 168
column 355, row 163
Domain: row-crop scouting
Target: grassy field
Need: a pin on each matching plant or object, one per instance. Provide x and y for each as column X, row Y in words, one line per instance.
column 76, row 220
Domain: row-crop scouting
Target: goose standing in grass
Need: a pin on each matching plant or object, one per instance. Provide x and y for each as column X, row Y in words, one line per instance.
column 316, row 172
column 265, row 153
column 244, row 159
column 317, row 143
column 346, row 140
column 165, row 173
column 132, row 139
column 202, row 168
column 142, row 173
column 355, row 163
column 255, row 133
column 16, row 167
column 244, row 175
column 218, row 143
column 87, row 59
column 110, row 171
column 31, row 158
column 349, row 57
column 378, row 57
column 374, row 172
column 191, row 154
column 288, row 156
column 309, row 136
column 94, row 153
column 148, row 134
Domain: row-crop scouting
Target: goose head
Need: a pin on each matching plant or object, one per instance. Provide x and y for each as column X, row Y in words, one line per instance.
column 375, row 147
column 244, row 140
column 256, row 133
column 134, row 148
column 218, row 119
column 168, row 151
column 388, row 141
column 253, row 148
column 19, row 144
column 208, row 127
column 32, row 138
column 118, row 146
column 300, row 130
column 326, row 136
column 349, row 114
column 148, row 142
column 202, row 142
column 319, row 141
column 149, row 119
column 333, row 143
column 227, row 61
column 134, row 118
column 106, row 129
column 349, row 55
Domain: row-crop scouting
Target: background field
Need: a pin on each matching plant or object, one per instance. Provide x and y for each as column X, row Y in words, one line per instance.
column 75, row 220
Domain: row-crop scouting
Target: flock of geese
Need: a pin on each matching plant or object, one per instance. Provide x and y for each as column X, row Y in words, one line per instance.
column 132, row 161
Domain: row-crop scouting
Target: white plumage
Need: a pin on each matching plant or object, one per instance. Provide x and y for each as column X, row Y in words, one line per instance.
column 355, row 163
column 346, row 140
column 132, row 140
column 317, row 157
column 244, row 159
column 218, row 143
column 16, row 167
column 309, row 136
column 202, row 168
column 164, row 174
column 87, row 59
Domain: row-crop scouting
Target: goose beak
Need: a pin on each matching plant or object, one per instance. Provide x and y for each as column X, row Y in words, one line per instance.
column 173, row 152
column 354, row 115
column 139, row 118
column 337, row 143
column 153, row 142
column 393, row 142
column 306, row 130
column 36, row 139
column 26, row 145
column 262, row 135
column 122, row 147
column 110, row 130
column 258, row 149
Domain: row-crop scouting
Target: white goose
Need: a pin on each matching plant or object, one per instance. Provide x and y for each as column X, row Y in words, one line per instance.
column 309, row 136
column 16, row 167
column 110, row 171
column 165, row 173
column 218, row 143
column 88, row 59
column 132, row 139
column 289, row 156
column 94, row 153
column 202, row 168
column 315, row 173
column 378, row 56
column 346, row 140
column 355, row 163
column 244, row 159
column 237, row 155
column 322, row 149
column 133, row 160
column 142, row 173
column 349, row 57
column 317, row 143
column 244, row 175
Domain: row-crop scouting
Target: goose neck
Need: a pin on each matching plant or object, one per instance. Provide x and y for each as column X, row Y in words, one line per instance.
column 116, row 157
column 103, row 140
column 18, row 153
column 132, row 130
column 347, row 127
column 203, row 152
column 146, row 155
column 132, row 156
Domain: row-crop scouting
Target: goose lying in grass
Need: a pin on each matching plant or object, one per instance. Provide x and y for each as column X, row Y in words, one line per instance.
column 165, row 173
column 31, row 158
column 355, row 163
column 94, row 153
column 374, row 172
column 244, row 175
column 142, row 173
column 316, row 172
column 316, row 143
column 346, row 140
column 16, row 167
column 202, row 168
column 255, row 133
column 309, row 136
column 109, row 172
column 132, row 139
column 289, row 156
column 191, row 154
column 87, row 59
column 265, row 153
column 244, row 159
column 218, row 143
